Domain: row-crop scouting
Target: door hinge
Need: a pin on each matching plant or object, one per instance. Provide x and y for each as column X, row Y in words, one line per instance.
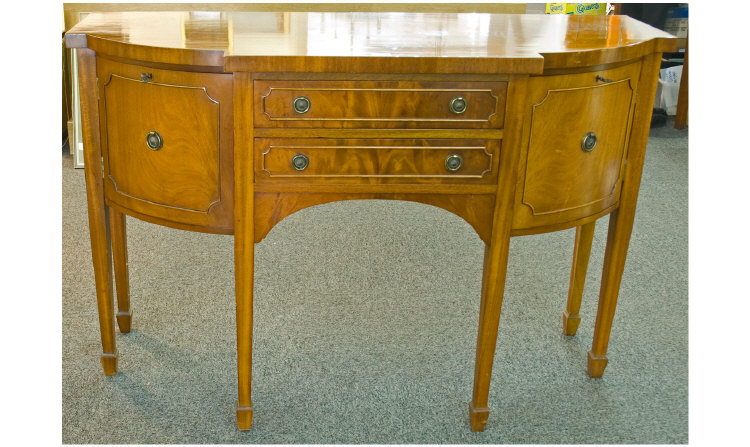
column 97, row 89
column 102, row 167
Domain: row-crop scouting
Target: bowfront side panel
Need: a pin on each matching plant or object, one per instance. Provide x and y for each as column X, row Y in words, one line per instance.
column 167, row 145
column 574, row 146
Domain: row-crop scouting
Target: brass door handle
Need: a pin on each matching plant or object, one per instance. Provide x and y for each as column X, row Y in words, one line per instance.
column 588, row 142
column 300, row 162
column 458, row 105
column 301, row 104
column 453, row 162
column 154, row 141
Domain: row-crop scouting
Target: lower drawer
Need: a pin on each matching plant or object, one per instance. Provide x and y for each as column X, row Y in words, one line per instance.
column 379, row 161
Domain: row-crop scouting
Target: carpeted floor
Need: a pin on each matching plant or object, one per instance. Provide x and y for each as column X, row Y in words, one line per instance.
column 365, row 325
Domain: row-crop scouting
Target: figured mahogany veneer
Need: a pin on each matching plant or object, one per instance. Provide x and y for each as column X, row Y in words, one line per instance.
column 552, row 136
column 561, row 182
column 376, row 161
column 188, row 182
column 380, row 104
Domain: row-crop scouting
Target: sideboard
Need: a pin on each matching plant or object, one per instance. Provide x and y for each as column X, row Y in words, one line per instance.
column 229, row 122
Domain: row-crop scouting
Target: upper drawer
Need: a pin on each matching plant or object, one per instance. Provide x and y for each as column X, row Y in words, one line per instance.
column 380, row 104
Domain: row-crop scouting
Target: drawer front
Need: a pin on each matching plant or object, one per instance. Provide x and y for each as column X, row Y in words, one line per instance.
column 380, row 104
column 577, row 143
column 376, row 161
column 167, row 142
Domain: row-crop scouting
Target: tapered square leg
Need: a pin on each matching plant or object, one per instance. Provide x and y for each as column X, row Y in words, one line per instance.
column 581, row 254
column 496, row 258
column 621, row 220
column 244, row 244
column 98, row 211
column 124, row 313
column 493, row 283
column 620, row 226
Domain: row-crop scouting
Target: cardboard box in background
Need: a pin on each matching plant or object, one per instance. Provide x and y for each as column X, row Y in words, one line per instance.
column 677, row 22
column 577, row 8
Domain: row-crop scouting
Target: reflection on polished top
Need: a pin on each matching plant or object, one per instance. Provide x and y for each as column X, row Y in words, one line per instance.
column 237, row 35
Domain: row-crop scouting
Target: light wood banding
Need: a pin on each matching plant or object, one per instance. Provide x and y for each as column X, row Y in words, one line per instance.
column 380, row 104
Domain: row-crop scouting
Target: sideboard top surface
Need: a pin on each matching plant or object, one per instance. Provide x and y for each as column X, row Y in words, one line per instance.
column 363, row 42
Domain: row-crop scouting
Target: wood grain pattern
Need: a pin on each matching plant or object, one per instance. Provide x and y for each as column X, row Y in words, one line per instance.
column 581, row 254
column 124, row 315
column 188, row 180
column 621, row 220
column 374, row 161
column 561, row 182
column 379, row 104
column 461, row 134
column 314, row 42
column 496, row 257
column 272, row 207
column 379, row 129
column 98, row 212
column 244, row 254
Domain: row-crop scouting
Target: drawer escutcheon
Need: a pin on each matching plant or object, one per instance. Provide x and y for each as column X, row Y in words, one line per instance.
column 300, row 162
column 453, row 162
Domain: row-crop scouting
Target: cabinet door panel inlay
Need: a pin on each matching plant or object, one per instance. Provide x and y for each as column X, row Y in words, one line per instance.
column 561, row 175
column 184, row 173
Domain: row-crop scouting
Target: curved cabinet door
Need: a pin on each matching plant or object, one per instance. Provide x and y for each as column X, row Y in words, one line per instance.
column 577, row 133
column 167, row 144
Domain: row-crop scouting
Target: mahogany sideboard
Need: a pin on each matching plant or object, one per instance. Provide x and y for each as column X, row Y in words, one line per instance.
column 229, row 122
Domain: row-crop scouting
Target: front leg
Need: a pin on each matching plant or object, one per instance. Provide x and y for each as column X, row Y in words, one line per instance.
column 244, row 240
column 496, row 255
column 493, row 285
column 98, row 211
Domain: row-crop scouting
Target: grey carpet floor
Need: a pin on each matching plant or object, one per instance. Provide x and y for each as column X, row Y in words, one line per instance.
column 365, row 325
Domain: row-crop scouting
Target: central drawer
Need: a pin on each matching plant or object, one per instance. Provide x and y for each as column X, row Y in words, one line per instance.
column 376, row 161
column 379, row 104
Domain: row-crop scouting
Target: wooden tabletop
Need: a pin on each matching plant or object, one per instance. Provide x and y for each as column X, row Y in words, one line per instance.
column 360, row 42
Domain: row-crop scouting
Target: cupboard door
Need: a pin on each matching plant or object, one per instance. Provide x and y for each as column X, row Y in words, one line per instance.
column 577, row 135
column 167, row 143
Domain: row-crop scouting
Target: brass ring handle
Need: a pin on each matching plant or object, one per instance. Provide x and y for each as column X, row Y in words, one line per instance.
column 300, row 162
column 154, row 141
column 453, row 162
column 301, row 104
column 589, row 142
column 458, row 105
